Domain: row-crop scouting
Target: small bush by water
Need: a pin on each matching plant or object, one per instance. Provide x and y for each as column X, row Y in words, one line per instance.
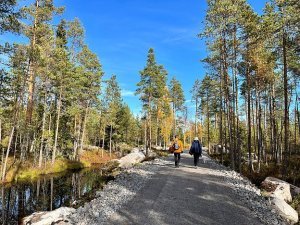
column 27, row 171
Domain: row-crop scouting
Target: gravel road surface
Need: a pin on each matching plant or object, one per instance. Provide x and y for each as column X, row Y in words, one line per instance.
column 186, row 195
column 157, row 193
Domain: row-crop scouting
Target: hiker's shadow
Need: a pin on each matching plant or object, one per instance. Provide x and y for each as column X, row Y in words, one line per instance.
column 187, row 161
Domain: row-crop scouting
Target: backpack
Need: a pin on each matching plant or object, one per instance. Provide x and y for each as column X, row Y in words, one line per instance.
column 196, row 147
column 176, row 145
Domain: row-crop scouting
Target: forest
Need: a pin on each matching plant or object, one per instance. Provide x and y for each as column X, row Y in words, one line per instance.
column 59, row 110
column 64, row 120
column 53, row 100
column 249, row 97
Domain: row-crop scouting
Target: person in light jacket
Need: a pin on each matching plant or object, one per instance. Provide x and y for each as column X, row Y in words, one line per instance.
column 177, row 149
column 196, row 150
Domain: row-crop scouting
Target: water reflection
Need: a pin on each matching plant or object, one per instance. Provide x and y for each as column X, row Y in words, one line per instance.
column 48, row 193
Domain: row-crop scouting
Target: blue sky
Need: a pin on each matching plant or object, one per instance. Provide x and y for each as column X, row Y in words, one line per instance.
column 122, row 31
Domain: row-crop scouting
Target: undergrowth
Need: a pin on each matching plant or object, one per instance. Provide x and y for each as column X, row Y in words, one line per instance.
column 26, row 170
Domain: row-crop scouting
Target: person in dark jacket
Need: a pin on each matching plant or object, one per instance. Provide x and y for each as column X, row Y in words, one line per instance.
column 196, row 150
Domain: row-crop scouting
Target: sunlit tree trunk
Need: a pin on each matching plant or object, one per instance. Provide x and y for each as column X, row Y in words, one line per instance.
column 31, row 78
column 76, row 136
column 57, row 125
column 208, row 122
column 110, row 140
column 221, row 118
column 43, row 131
column 286, row 107
column 150, row 127
column 196, row 122
column 7, row 153
column 249, row 117
column 83, row 127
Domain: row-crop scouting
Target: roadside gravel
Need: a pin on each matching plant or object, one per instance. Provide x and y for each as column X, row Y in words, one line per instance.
column 251, row 196
column 125, row 187
column 115, row 194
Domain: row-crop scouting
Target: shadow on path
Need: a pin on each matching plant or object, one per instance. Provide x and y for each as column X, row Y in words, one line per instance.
column 183, row 196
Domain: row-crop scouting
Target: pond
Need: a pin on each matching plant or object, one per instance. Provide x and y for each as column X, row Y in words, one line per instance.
column 49, row 192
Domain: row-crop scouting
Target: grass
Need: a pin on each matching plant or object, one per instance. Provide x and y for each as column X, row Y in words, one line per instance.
column 270, row 170
column 161, row 153
column 296, row 205
column 94, row 157
column 217, row 157
column 27, row 171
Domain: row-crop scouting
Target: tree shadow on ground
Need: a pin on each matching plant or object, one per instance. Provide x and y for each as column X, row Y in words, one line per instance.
column 186, row 196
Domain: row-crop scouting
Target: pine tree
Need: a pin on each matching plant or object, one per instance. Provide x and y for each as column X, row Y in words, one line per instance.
column 207, row 90
column 61, row 79
column 113, row 102
column 151, row 88
column 75, row 34
column 282, row 22
column 9, row 16
column 177, row 99
column 40, row 14
column 196, row 98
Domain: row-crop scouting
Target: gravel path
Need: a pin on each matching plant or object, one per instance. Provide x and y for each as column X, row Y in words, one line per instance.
column 157, row 193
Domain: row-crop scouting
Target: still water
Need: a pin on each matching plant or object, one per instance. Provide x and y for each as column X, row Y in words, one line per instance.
column 50, row 192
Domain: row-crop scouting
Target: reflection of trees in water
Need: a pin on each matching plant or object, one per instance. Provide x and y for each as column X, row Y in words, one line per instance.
column 47, row 193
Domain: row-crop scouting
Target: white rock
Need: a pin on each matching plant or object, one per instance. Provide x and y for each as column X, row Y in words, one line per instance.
column 285, row 210
column 131, row 159
column 135, row 150
column 45, row 218
column 282, row 190
column 152, row 154
column 158, row 147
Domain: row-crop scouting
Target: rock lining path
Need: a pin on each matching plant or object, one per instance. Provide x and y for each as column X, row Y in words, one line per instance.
column 158, row 193
column 185, row 195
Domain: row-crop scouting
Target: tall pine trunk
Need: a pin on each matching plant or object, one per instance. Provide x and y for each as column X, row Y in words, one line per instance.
column 196, row 122
column 221, row 116
column 145, row 135
column 150, row 126
column 208, row 122
column 57, row 125
column 103, row 137
column 7, row 153
column 110, row 140
column 43, row 131
column 31, row 78
column 83, row 127
column 249, row 117
column 286, row 108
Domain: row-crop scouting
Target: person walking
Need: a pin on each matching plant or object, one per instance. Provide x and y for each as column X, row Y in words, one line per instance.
column 177, row 149
column 196, row 151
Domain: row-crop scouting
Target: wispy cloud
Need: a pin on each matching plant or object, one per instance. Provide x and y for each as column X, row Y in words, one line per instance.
column 127, row 93
column 181, row 35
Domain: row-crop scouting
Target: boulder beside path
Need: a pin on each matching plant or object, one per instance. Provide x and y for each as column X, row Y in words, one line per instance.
column 131, row 159
column 280, row 193
column 57, row 216
column 285, row 210
column 282, row 188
